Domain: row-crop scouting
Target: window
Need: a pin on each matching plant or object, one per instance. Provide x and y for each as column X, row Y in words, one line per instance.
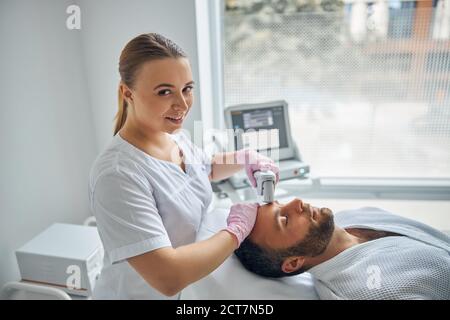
column 401, row 18
column 367, row 84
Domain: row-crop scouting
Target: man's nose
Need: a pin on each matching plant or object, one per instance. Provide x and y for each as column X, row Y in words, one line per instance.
column 297, row 203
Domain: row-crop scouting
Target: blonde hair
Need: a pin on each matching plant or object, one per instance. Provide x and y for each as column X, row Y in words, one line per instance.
column 143, row 48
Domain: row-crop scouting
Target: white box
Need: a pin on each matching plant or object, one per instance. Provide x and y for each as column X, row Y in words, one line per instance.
column 66, row 256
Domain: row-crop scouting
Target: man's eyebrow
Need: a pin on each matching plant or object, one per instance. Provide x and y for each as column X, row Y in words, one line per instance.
column 171, row 85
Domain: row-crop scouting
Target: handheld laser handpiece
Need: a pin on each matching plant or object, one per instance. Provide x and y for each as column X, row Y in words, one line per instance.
column 265, row 185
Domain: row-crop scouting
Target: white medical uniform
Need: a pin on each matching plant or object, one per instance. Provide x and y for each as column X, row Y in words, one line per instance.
column 141, row 204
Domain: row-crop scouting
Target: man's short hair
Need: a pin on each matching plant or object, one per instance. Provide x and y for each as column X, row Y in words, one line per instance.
column 266, row 262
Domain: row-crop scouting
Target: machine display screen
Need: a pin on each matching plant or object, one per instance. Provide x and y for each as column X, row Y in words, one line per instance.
column 261, row 128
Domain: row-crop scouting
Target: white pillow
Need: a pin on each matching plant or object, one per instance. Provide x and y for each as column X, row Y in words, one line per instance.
column 232, row 281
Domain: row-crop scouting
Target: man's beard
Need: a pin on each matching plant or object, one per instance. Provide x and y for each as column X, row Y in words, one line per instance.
column 318, row 237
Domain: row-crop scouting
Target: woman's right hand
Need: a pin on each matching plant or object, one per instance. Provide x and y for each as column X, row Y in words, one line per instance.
column 241, row 219
column 253, row 161
column 169, row 270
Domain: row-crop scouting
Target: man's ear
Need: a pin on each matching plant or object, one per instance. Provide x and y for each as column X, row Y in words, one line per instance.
column 126, row 92
column 292, row 264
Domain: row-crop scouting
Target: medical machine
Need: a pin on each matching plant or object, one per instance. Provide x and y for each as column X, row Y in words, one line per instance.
column 265, row 185
column 264, row 127
column 65, row 256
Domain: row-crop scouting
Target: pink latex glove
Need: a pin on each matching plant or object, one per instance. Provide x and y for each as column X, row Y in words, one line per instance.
column 241, row 220
column 253, row 161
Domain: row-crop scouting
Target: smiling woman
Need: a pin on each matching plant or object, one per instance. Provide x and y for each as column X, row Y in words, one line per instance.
column 157, row 75
column 160, row 99
column 150, row 187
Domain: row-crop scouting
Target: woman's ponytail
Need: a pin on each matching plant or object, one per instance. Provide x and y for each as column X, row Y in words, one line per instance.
column 121, row 115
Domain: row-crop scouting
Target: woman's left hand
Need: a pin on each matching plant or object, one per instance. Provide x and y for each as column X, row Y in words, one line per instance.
column 253, row 161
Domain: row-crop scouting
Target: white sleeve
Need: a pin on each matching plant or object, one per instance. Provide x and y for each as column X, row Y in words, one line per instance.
column 127, row 216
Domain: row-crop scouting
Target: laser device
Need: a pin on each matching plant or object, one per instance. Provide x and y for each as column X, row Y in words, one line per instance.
column 265, row 185
column 263, row 127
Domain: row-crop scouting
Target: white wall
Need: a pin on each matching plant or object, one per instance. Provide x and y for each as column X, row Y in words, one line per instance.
column 46, row 133
column 108, row 25
column 59, row 96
